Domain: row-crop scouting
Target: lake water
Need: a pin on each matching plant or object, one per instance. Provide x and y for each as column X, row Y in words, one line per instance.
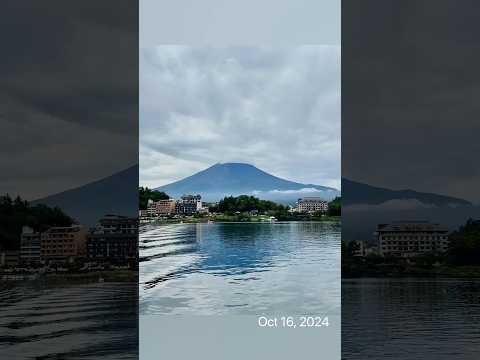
column 93, row 321
column 240, row 268
column 411, row 319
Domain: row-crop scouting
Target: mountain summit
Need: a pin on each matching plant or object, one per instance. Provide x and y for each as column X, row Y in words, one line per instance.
column 227, row 179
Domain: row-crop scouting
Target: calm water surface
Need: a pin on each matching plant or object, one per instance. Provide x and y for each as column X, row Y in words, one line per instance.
column 94, row 321
column 241, row 268
column 411, row 319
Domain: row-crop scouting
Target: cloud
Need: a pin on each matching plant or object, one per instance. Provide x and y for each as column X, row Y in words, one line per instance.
column 391, row 205
column 69, row 94
column 292, row 192
column 276, row 108
column 410, row 114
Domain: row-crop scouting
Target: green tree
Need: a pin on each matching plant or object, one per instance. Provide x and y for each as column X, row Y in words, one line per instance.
column 335, row 207
column 18, row 213
column 245, row 203
column 145, row 194
column 465, row 244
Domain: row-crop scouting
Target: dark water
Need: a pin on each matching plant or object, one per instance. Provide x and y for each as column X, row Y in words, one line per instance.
column 411, row 319
column 95, row 321
column 243, row 268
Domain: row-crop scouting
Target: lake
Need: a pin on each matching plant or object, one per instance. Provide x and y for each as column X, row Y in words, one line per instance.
column 240, row 268
column 89, row 321
column 410, row 319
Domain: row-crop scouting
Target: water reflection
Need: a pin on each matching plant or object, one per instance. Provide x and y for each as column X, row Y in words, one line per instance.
column 68, row 322
column 240, row 268
column 410, row 319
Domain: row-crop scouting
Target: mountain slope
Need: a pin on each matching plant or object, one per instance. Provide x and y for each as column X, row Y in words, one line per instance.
column 116, row 194
column 358, row 193
column 227, row 179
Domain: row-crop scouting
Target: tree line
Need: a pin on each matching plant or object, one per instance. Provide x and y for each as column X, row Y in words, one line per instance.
column 16, row 213
column 144, row 194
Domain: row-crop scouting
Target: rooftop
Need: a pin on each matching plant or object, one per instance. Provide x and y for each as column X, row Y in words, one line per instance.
column 409, row 226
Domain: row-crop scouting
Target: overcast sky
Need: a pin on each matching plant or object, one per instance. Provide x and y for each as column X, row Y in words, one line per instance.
column 410, row 115
column 69, row 94
column 275, row 108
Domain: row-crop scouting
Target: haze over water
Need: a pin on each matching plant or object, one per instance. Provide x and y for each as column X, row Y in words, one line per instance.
column 240, row 268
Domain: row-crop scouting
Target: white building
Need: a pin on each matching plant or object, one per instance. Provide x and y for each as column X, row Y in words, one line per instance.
column 151, row 208
column 408, row 239
column 30, row 242
column 311, row 205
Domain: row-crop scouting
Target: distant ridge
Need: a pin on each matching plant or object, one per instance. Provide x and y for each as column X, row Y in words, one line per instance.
column 226, row 179
column 359, row 193
column 115, row 194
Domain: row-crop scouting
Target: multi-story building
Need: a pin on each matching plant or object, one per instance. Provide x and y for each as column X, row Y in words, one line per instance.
column 30, row 242
column 165, row 207
column 115, row 239
column 9, row 258
column 189, row 204
column 312, row 204
column 408, row 239
column 151, row 208
column 63, row 243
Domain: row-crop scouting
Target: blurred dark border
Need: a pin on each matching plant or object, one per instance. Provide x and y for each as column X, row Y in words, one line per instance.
column 69, row 179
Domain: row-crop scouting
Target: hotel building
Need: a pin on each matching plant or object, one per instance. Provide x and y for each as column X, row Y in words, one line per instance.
column 115, row 239
column 406, row 239
column 62, row 244
column 189, row 204
column 311, row 205
column 30, row 243
column 165, row 207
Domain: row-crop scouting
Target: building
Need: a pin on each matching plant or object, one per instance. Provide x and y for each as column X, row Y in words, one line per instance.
column 411, row 238
column 165, row 207
column 30, row 242
column 312, row 204
column 151, row 208
column 115, row 240
column 62, row 244
column 188, row 205
column 9, row 258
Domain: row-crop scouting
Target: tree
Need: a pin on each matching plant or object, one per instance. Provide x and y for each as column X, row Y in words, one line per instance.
column 145, row 194
column 18, row 213
column 245, row 203
column 335, row 207
column 465, row 244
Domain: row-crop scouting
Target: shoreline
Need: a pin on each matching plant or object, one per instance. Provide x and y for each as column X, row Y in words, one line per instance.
column 445, row 272
column 127, row 276
column 232, row 220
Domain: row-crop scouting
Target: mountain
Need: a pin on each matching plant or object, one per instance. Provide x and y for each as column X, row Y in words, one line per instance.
column 359, row 193
column 366, row 206
column 227, row 179
column 116, row 194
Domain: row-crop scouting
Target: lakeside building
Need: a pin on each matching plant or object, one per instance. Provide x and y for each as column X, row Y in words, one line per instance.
column 165, row 207
column 151, row 208
column 188, row 205
column 312, row 204
column 63, row 243
column 9, row 258
column 412, row 238
column 115, row 239
column 30, row 243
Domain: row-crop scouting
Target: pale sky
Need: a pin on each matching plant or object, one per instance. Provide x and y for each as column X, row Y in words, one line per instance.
column 275, row 108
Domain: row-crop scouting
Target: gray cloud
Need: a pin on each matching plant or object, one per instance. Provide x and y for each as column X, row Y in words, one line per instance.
column 69, row 93
column 409, row 94
column 276, row 108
